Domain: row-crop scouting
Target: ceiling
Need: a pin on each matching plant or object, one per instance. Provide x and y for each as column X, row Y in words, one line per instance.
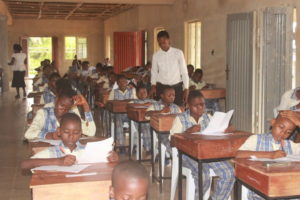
column 64, row 10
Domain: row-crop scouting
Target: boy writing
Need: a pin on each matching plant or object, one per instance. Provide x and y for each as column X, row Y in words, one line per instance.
column 68, row 150
column 130, row 180
column 195, row 119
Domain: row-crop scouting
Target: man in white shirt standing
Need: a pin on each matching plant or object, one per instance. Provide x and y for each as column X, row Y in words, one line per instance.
column 169, row 68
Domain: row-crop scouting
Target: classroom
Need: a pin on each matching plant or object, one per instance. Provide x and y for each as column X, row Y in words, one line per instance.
column 149, row 99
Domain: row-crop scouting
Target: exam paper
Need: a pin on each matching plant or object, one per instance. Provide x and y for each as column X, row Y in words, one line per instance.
column 52, row 142
column 96, row 152
column 56, row 168
column 288, row 158
column 218, row 123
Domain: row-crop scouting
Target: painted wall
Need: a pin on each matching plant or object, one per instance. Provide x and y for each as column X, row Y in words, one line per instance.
column 93, row 30
column 212, row 15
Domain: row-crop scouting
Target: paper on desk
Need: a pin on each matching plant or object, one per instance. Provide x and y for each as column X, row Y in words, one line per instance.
column 218, row 123
column 52, row 142
column 56, row 168
column 96, row 152
column 288, row 158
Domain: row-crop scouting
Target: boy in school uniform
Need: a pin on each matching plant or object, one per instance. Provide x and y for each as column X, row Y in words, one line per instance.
column 46, row 121
column 122, row 93
column 196, row 82
column 195, row 119
column 49, row 93
column 130, row 180
column 273, row 144
column 190, row 69
column 164, row 105
column 68, row 150
column 142, row 99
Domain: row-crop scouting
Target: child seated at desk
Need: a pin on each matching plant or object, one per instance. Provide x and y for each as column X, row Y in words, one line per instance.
column 273, row 144
column 130, row 180
column 42, row 82
column 195, row 119
column 164, row 105
column 46, row 121
column 68, row 150
column 196, row 82
column 142, row 99
column 49, row 93
column 122, row 93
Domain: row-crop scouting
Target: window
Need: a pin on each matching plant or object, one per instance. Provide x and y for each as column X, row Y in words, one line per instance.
column 193, row 43
column 156, row 31
column 75, row 46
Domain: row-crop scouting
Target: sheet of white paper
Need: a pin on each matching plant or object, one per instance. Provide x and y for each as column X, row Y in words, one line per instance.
column 52, row 142
column 218, row 123
column 96, row 152
column 288, row 158
column 71, row 169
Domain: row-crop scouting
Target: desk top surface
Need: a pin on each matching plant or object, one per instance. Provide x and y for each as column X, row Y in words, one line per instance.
column 103, row 170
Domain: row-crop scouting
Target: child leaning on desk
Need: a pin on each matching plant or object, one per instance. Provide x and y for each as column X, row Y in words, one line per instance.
column 142, row 99
column 68, row 150
column 123, row 92
column 164, row 106
column 193, row 120
column 273, row 144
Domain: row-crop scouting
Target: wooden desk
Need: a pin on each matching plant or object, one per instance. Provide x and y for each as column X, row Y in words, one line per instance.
column 54, row 185
column 218, row 93
column 33, row 94
column 206, row 149
column 271, row 183
column 116, row 107
column 137, row 113
column 36, row 147
column 162, row 124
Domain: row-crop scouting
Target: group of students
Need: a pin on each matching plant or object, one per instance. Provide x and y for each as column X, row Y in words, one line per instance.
column 67, row 115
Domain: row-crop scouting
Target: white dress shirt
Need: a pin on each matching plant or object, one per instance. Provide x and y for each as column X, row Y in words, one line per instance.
column 169, row 68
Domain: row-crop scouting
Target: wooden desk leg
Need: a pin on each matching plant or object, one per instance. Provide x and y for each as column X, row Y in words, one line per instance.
column 129, row 149
column 200, row 180
column 140, row 143
column 238, row 190
column 115, row 128
column 152, row 154
column 179, row 175
column 159, row 164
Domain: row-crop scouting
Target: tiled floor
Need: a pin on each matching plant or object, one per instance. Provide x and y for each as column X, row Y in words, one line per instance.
column 14, row 185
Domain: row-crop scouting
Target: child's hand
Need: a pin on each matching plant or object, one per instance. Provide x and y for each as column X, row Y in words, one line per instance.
column 113, row 157
column 79, row 100
column 53, row 135
column 193, row 129
column 68, row 160
column 291, row 115
column 166, row 109
column 278, row 154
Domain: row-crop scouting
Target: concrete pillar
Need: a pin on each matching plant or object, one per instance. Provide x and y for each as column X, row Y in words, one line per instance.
column 3, row 51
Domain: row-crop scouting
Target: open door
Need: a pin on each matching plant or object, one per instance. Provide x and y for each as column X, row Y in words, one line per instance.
column 128, row 50
column 240, row 69
column 24, row 44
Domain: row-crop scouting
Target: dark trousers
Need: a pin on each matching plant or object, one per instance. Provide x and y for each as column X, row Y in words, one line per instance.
column 178, row 92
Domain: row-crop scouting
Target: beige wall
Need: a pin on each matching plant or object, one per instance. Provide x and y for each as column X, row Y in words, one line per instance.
column 212, row 15
column 93, row 30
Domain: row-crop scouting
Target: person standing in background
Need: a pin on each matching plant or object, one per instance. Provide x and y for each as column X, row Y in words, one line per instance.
column 18, row 63
column 169, row 69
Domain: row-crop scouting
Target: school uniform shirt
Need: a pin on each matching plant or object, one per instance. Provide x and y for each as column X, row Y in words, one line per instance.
column 19, row 62
column 47, row 97
column 289, row 100
column 57, row 151
column 45, row 122
column 159, row 105
column 266, row 142
column 169, row 68
column 105, row 80
column 117, row 94
column 185, row 121
column 199, row 85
